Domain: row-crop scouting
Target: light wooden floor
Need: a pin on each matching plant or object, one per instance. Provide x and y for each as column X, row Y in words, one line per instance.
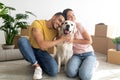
column 22, row 70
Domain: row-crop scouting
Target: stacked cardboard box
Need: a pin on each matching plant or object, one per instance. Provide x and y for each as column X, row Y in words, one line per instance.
column 15, row 41
column 113, row 56
column 101, row 40
column 24, row 32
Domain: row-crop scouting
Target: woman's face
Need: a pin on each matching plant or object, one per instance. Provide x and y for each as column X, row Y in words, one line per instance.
column 71, row 16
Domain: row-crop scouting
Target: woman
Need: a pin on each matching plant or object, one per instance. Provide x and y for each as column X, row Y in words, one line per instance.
column 83, row 61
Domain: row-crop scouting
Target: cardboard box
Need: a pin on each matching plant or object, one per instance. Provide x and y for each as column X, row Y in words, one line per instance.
column 113, row 56
column 110, row 45
column 102, row 30
column 15, row 41
column 25, row 32
column 100, row 44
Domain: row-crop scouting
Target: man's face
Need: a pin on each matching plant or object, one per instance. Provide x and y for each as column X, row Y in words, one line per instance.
column 58, row 21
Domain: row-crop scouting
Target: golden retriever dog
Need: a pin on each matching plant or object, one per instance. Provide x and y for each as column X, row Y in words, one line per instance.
column 65, row 49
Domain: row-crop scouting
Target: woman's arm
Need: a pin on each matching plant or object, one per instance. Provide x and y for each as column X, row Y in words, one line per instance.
column 86, row 39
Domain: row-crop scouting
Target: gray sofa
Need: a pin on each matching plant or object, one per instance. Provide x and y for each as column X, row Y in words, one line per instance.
column 10, row 54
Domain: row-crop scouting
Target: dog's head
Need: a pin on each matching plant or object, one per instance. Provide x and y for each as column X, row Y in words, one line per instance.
column 69, row 27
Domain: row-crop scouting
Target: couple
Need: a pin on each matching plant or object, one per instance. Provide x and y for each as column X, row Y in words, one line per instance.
column 41, row 42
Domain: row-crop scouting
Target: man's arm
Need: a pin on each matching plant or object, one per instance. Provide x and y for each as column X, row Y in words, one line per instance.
column 42, row 43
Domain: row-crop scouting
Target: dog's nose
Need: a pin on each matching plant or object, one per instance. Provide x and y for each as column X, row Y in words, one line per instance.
column 67, row 27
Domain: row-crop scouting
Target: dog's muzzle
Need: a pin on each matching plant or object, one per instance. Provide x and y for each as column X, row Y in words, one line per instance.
column 66, row 30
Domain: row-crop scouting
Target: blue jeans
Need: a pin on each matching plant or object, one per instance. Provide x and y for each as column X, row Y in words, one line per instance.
column 32, row 55
column 82, row 65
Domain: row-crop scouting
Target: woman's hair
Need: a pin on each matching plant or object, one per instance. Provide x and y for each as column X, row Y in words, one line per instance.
column 66, row 11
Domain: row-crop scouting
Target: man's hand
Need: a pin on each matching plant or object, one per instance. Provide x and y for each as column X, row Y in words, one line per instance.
column 66, row 38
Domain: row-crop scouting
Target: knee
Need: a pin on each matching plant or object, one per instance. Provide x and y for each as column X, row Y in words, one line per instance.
column 53, row 71
column 71, row 72
column 85, row 76
column 22, row 41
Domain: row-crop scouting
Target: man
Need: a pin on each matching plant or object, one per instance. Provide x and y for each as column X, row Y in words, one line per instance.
column 41, row 38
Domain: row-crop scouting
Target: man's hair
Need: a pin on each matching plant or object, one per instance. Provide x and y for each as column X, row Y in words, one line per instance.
column 66, row 11
column 59, row 13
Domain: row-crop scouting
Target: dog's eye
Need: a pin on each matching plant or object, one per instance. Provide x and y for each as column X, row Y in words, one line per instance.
column 71, row 24
column 65, row 22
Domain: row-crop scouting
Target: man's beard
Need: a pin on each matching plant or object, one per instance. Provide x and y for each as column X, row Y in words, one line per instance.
column 54, row 27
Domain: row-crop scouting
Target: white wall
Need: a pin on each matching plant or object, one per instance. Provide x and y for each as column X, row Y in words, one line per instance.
column 89, row 12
